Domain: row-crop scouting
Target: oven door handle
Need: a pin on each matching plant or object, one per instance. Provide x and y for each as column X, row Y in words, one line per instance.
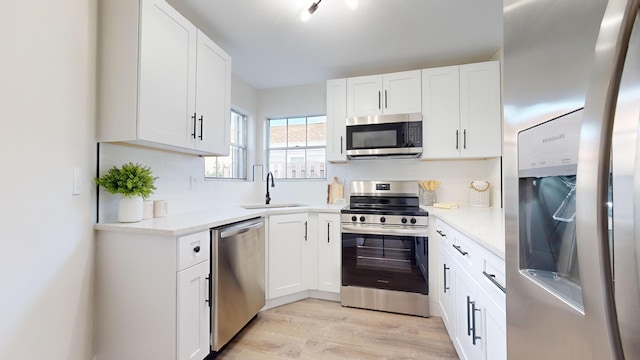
column 381, row 230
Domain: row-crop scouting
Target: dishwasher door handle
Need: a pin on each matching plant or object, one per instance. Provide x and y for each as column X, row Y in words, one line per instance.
column 240, row 228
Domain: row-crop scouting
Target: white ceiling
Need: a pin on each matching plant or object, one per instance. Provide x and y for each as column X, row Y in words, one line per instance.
column 272, row 48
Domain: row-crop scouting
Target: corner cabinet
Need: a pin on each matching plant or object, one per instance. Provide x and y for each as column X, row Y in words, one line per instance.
column 394, row 93
column 471, row 295
column 146, row 279
column 162, row 82
column 336, row 120
column 461, row 107
column 290, row 249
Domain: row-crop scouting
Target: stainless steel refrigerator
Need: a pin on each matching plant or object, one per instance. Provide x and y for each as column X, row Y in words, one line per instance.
column 572, row 178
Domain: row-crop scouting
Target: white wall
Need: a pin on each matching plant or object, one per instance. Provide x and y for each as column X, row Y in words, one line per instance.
column 47, row 112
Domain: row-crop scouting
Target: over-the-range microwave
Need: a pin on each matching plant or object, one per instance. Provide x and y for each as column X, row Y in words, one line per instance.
column 398, row 135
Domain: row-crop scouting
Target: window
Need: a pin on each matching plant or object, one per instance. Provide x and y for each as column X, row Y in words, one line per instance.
column 233, row 166
column 297, row 147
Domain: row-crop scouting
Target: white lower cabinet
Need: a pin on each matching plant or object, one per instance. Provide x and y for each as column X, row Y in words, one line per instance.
column 193, row 312
column 304, row 254
column 290, row 250
column 329, row 252
column 471, row 304
column 152, row 296
column 445, row 288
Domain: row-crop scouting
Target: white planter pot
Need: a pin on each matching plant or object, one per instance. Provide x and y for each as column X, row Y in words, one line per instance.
column 130, row 209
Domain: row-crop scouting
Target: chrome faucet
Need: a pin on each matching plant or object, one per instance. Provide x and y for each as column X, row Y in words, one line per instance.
column 268, row 198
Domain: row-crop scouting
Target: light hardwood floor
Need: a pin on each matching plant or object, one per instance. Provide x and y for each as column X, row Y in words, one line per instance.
column 317, row 329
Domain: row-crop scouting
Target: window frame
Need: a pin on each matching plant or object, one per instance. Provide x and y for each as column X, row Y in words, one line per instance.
column 286, row 148
column 245, row 135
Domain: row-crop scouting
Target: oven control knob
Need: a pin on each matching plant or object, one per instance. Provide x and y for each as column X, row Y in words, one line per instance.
column 354, row 218
column 383, row 219
column 413, row 220
column 362, row 218
column 404, row 220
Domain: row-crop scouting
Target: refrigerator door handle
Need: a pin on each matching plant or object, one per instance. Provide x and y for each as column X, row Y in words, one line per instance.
column 592, row 218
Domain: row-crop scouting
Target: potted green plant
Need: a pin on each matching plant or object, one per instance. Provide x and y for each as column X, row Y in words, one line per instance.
column 134, row 182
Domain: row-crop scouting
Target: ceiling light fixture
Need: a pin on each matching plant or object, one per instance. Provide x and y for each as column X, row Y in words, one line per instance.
column 306, row 14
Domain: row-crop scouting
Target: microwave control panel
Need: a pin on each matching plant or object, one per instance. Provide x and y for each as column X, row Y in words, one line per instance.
column 414, row 133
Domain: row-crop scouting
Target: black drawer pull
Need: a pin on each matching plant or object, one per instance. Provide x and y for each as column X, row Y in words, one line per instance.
column 495, row 282
column 196, row 249
column 441, row 233
column 457, row 247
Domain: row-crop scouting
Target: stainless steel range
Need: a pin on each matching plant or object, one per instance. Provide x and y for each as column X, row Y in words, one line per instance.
column 385, row 248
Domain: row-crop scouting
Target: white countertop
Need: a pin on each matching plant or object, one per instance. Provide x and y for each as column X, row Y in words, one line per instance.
column 188, row 223
column 483, row 225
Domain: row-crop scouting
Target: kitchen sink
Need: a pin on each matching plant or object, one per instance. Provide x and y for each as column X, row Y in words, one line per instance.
column 271, row 206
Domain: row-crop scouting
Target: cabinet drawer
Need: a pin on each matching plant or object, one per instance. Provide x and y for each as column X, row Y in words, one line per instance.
column 193, row 249
column 446, row 233
column 493, row 278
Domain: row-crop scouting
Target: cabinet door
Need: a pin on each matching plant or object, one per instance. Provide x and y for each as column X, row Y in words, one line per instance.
column 480, row 111
column 468, row 316
column 167, row 75
column 446, row 288
column 441, row 112
column 402, row 92
column 336, row 120
column 329, row 252
column 288, row 252
column 193, row 312
column 364, row 96
column 495, row 326
column 213, row 88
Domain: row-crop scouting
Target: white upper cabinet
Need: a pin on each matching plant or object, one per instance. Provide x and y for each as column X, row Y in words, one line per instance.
column 213, row 97
column 336, row 120
column 480, row 110
column 162, row 82
column 441, row 112
column 461, row 111
column 167, row 75
column 394, row 93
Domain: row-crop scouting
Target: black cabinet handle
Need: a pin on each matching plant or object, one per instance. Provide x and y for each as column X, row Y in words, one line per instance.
column 328, row 231
column 457, row 247
column 305, row 231
column 196, row 249
column 457, row 141
column 464, row 143
column 474, row 337
column 208, row 301
column 495, row 282
column 444, row 274
column 379, row 101
column 201, row 121
column 441, row 233
column 468, row 316
column 386, row 103
column 340, row 144
column 193, row 134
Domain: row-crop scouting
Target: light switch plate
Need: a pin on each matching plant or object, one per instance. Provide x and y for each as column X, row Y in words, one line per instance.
column 76, row 181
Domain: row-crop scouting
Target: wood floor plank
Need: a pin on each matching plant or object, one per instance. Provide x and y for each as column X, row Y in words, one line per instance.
column 314, row 329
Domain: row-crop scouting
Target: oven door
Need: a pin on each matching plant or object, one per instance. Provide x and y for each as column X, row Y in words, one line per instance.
column 373, row 136
column 382, row 261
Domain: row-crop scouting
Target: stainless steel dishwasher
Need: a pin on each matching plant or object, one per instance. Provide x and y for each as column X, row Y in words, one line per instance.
column 237, row 278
